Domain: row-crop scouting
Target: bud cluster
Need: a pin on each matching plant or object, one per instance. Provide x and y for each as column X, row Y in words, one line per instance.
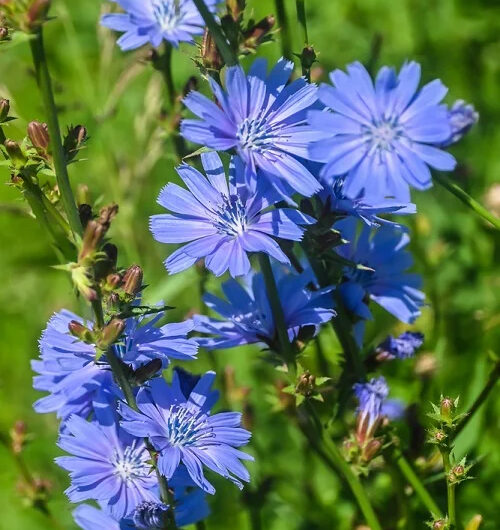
column 306, row 386
column 445, row 421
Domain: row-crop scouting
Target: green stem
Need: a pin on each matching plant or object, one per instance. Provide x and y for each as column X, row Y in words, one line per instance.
column 122, row 380
column 285, row 32
column 225, row 50
column 167, row 75
column 450, row 488
column 301, row 15
column 200, row 525
column 490, row 385
column 452, row 187
column 286, row 349
column 45, row 86
column 416, row 484
column 331, row 455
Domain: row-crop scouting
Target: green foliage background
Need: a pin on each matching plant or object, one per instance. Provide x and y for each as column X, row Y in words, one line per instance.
column 128, row 160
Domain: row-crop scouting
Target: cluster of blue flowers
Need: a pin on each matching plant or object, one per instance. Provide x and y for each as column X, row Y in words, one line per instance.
column 299, row 156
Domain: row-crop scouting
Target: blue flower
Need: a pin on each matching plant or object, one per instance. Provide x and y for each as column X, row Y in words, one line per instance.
column 154, row 21
column 402, row 347
column 394, row 409
column 361, row 207
column 108, row 464
column 247, row 313
column 182, row 430
column 371, row 397
column 263, row 119
column 388, row 284
column 462, row 116
column 382, row 136
column 222, row 223
column 91, row 518
column 150, row 515
column 68, row 371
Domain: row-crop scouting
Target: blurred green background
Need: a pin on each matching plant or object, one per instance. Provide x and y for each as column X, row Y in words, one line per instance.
column 118, row 98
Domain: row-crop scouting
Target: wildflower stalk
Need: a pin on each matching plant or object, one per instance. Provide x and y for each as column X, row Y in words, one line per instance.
column 452, row 187
column 229, row 56
column 167, row 75
column 331, row 455
column 490, row 385
column 450, row 488
column 415, row 482
column 123, row 382
column 61, row 170
column 301, row 15
column 285, row 32
column 286, row 349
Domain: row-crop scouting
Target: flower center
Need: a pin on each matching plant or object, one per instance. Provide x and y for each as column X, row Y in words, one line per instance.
column 253, row 134
column 231, row 218
column 131, row 464
column 167, row 13
column 383, row 134
column 186, row 427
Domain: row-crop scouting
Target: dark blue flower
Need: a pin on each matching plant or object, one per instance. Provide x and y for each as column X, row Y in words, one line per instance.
column 387, row 283
column 361, row 207
column 402, row 347
column 263, row 119
column 382, row 136
column 107, row 464
column 68, row 370
column 182, row 430
column 462, row 116
column 153, row 21
column 371, row 397
column 247, row 313
column 221, row 222
column 150, row 515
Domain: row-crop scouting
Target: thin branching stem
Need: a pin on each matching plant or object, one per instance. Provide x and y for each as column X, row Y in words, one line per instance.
column 450, row 489
column 301, row 15
column 45, row 85
column 286, row 46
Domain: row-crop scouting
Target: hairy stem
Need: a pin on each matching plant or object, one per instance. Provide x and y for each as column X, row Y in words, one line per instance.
column 490, row 385
column 45, row 86
column 225, row 50
column 285, row 30
column 450, row 489
column 416, row 483
column 454, row 188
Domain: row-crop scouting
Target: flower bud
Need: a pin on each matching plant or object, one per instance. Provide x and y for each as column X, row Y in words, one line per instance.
column 18, row 436
column 235, row 8
column 85, row 213
column 74, row 140
column 475, row 522
column 17, row 157
column 306, row 384
column 371, row 449
column 94, row 232
column 4, row 34
column 308, row 57
column 81, row 332
column 37, row 14
column 210, row 56
column 4, row 106
column 38, row 133
column 256, row 34
column 439, row 436
column 440, row 524
column 110, row 333
column 132, row 281
column 447, row 409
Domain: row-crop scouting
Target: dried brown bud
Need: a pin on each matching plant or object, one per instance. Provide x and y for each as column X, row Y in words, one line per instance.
column 81, row 332
column 4, row 107
column 85, row 212
column 255, row 34
column 94, row 232
column 37, row 14
column 306, row 384
column 38, row 133
column 113, row 280
column 210, row 56
column 132, row 280
column 371, row 449
column 235, row 8
column 74, row 140
column 18, row 436
column 308, row 57
column 111, row 333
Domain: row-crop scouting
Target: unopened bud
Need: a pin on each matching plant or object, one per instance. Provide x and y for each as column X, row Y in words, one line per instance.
column 15, row 153
column 94, row 232
column 4, row 106
column 440, row 524
column 132, row 280
column 235, row 8
column 38, row 133
column 18, row 436
column 85, row 212
column 37, row 14
column 210, row 56
column 146, row 372
column 4, row 34
column 81, row 332
column 439, row 436
column 306, row 384
column 110, row 333
column 74, row 141
column 447, row 409
column 308, row 57
column 475, row 522
column 255, row 34
column 371, row 449
column 458, row 471
column 113, row 280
